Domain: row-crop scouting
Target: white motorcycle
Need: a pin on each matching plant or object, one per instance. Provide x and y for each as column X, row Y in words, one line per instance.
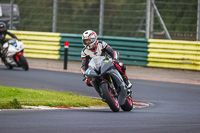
column 13, row 51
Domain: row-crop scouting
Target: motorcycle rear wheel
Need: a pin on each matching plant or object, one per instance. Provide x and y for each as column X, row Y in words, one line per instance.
column 108, row 96
column 23, row 63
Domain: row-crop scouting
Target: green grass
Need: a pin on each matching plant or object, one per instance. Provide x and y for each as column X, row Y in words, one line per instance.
column 11, row 97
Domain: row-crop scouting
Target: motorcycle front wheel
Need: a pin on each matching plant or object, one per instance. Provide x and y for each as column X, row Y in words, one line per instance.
column 109, row 97
column 23, row 63
column 128, row 105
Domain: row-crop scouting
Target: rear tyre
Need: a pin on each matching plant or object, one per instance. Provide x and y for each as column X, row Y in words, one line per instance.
column 23, row 63
column 109, row 98
column 128, row 105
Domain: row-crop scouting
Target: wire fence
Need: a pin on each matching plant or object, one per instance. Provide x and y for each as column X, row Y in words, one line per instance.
column 121, row 17
column 180, row 17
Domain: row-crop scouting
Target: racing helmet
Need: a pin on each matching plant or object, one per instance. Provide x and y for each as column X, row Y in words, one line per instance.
column 89, row 39
column 2, row 26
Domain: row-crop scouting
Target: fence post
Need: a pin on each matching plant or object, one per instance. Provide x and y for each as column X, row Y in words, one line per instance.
column 101, row 15
column 66, row 55
column 152, row 20
column 55, row 3
column 148, row 18
column 198, row 22
column 11, row 14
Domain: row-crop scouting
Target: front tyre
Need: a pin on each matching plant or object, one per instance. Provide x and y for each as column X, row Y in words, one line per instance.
column 109, row 97
column 23, row 63
column 128, row 105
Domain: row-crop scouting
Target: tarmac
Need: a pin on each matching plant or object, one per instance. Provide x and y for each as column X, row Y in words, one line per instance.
column 133, row 72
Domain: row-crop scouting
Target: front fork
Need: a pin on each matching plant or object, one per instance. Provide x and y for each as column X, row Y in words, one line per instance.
column 16, row 57
column 113, row 87
column 96, row 82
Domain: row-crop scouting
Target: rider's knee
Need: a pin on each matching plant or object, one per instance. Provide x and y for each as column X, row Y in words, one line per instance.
column 88, row 82
column 123, row 67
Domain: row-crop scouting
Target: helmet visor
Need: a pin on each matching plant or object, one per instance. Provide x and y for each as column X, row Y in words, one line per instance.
column 87, row 42
column 2, row 29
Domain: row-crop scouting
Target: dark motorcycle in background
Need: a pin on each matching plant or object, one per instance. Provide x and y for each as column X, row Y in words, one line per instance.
column 13, row 51
column 109, row 84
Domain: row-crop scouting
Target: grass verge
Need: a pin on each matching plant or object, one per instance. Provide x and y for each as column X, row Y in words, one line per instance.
column 12, row 98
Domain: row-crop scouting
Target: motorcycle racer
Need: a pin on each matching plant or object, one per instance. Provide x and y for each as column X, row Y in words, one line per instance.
column 3, row 33
column 94, row 47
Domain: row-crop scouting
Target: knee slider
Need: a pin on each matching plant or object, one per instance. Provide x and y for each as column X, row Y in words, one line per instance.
column 122, row 66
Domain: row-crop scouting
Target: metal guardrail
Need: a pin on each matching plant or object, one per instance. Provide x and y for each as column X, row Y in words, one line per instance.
column 133, row 51
column 174, row 54
column 75, row 46
column 40, row 44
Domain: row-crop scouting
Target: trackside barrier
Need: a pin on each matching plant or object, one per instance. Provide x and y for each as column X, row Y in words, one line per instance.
column 174, row 54
column 133, row 51
column 39, row 44
column 75, row 42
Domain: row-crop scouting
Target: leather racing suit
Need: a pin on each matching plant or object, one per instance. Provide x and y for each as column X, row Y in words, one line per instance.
column 102, row 48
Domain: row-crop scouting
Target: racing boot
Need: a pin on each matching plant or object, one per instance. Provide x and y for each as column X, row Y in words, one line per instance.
column 128, row 83
column 3, row 58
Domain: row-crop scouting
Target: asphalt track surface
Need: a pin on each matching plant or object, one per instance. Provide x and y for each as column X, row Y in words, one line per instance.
column 174, row 107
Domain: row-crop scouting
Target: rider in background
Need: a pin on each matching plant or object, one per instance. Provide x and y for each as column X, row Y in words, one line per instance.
column 3, row 33
column 94, row 47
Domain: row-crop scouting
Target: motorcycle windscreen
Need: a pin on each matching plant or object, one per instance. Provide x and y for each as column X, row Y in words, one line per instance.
column 11, row 50
column 90, row 72
column 105, row 66
column 96, row 62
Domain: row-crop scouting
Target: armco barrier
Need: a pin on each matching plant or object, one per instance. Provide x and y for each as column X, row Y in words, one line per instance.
column 75, row 46
column 132, row 51
column 174, row 54
column 40, row 44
